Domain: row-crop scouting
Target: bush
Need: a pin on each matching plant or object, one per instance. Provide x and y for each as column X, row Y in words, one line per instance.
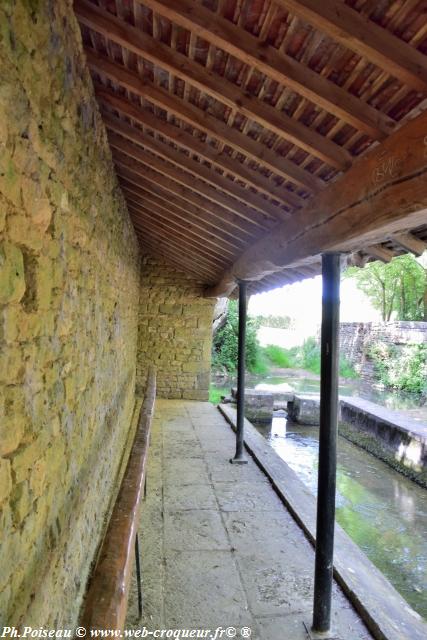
column 403, row 368
column 225, row 344
column 279, row 356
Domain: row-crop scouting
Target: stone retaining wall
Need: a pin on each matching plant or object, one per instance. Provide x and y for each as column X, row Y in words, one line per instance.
column 356, row 338
column 175, row 332
column 69, row 278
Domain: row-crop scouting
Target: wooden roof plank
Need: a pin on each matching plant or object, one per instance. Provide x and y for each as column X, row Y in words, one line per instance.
column 224, row 218
column 181, row 207
column 247, row 216
column 196, row 168
column 230, row 136
column 190, row 15
column 202, row 230
column 374, row 199
column 208, row 152
column 164, row 216
column 360, row 34
column 206, row 81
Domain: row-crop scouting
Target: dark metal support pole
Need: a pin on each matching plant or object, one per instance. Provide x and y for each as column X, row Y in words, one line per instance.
column 138, row 575
column 327, row 443
column 239, row 457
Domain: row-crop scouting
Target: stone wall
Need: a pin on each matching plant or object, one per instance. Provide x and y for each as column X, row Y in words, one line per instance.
column 175, row 332
column 69, row 279
column 356, row 338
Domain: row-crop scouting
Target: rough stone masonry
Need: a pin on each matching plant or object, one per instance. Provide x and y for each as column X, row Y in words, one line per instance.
column 69, row 289
column 72, row 294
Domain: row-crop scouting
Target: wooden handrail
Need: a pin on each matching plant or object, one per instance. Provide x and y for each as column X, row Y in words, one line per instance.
column 106, row 601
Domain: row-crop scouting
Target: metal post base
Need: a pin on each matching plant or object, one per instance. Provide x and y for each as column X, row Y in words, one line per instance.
column 320, row 635
column 238, row 461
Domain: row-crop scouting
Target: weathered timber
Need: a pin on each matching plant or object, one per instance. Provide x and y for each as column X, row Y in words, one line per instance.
column 106, row 601
column 363, row 36
column 383, row 193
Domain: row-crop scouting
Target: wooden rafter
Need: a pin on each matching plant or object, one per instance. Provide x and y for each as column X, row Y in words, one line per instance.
column 209, row 153
column 182, row 207
column 363, row 36
column 380, row 252
column 410, row 243
column 283, row 69
column 145, row 171
column 229, row 136
column 203, row 230
column 219, row 88
column 182, row 160
column 248, row 216
column 358, row 209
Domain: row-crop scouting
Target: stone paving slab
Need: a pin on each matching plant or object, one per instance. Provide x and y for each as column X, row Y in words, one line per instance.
column 218, row 548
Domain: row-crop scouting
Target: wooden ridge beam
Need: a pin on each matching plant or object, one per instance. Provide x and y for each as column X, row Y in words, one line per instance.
column 383, row 194
column 201, row 230
column 360, row 34
column 250, row 216
column 200, row 171
column 410, row 243
column 219, row 130
column 205, row 81
column 208, row 152
column 144, row 220
column 180, row 227
column 224, row 218
column 223, row 34
column 181, row 207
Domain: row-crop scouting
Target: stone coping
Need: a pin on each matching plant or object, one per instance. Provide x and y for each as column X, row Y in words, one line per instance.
column 387, row 615
column 396, row 419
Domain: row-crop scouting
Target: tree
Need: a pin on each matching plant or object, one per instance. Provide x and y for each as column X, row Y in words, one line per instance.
column 225, row 342
column 398, row 286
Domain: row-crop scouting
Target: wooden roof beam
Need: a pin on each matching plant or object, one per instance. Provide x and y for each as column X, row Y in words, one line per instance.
column 146, row 220
column 360, row 34
column 374, row 199
column 167, row 152
column 174, row 257
column 202, row 230
column 410, row 243
column 222, row 33
column 155, row 213
column 218, row 130
column 227, row 220
column 184, row 252
column 377, row 251
column 182, row 207
column 205, row 81
column 248, row 216
column 207, row 152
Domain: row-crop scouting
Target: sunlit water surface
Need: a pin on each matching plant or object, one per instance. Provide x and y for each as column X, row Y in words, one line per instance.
column 381, row 510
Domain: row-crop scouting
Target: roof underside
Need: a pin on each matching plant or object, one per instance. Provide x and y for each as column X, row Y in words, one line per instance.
column 225, row 117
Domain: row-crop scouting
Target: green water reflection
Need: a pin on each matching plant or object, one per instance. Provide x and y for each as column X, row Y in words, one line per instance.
column 382, row 511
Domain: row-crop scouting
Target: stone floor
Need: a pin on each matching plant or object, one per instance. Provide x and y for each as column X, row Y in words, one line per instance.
column 218, row 548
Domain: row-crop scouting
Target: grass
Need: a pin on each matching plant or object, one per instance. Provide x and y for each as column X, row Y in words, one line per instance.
column 215, row 394
column 279, row 357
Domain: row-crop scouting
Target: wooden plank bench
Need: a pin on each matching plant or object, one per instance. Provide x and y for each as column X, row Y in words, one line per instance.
column 106, row 600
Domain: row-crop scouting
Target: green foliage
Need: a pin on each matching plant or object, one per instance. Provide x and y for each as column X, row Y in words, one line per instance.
column 215, row 394
column 275, row 322
column 305, row 357
column 225, row 349
column 403, row 368
column 395, row 287
column 279, row 357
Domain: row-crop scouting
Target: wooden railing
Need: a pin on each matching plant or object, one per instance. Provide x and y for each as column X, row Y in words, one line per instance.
column 106, row 601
